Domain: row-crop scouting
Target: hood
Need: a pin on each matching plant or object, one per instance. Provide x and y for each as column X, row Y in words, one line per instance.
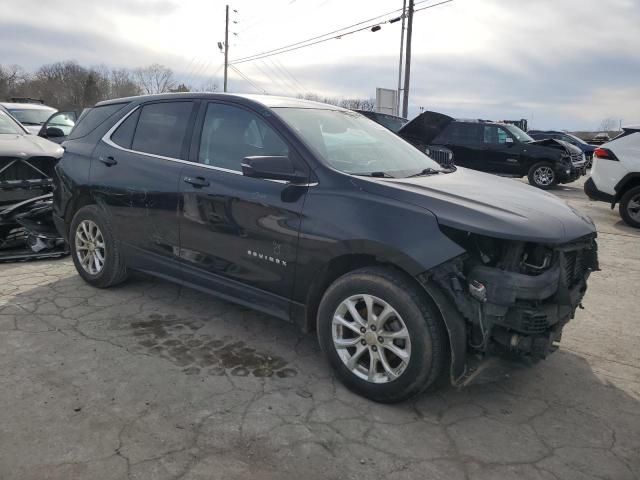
column 425, row 127
column 488, row 205
column 557, row 144
column 26, row 146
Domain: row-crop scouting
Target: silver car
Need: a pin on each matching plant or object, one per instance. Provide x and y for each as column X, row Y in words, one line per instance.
column 26, row 162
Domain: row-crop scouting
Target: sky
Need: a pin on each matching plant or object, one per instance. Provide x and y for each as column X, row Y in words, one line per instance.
column 561, row 64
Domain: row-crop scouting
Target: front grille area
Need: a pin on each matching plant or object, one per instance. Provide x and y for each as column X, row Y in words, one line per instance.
column 17, row 169
column 577, row 157
column 442, row 155
column 577, row 260
column 534, row 323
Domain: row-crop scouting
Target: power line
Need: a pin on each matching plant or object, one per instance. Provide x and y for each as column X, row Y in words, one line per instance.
column 288, row 48
column 258, row 89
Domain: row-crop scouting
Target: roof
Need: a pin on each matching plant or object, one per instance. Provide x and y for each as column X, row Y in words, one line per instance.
column 27, row 106
column 269, row 101
column 631, row 127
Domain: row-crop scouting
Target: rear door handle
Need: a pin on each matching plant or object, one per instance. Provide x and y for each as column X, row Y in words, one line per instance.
column 108, row 161
column 197, row 181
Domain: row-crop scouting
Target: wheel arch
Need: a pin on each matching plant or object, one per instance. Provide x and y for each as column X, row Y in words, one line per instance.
column 630, row 180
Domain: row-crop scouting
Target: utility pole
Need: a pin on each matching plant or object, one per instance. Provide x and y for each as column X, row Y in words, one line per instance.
column 226, row 47
column 407, row 65
column 399, row 95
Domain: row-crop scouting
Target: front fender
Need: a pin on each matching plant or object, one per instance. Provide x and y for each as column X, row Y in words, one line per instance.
column 338, row 223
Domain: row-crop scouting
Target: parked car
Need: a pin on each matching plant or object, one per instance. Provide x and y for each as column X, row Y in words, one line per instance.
column 615, row 176
column 26, row 166
column 41, row 120
column 586, row 148
column 318, row 215
column 497, row 148
column 31, row 115
column 392, row 122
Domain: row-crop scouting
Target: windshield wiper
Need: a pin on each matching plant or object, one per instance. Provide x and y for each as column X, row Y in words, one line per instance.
column 425, row 172
column 374, row 174
column 30, row 123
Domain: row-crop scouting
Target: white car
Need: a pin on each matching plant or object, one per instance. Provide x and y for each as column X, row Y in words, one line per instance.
column 31, row 115
column 615, row 175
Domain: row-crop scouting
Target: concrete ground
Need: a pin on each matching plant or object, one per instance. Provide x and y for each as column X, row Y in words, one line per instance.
column 153, row 381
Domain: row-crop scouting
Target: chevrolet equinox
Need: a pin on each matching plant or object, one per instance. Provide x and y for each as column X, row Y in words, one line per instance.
column 407, row 271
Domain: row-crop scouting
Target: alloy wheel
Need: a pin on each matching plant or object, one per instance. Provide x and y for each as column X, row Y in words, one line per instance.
column 633, row 208
column 544, row 176
column 371, row 338
column 90, row 247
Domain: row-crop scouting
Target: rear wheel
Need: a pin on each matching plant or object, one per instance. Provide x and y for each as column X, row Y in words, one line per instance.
column 382, row 336
column 96, row 253
column 542, row 175
column 630, row 207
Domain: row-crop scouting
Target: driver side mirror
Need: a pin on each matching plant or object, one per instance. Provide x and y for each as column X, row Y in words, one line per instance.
column 54, row 132
column 508, row 141
column 272, row 168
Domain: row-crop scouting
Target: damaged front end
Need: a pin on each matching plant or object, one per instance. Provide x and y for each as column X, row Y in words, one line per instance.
column 515, row 296
column 27, row 231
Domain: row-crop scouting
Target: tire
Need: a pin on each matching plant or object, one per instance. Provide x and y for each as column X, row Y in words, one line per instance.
column 90, row 229
column 424, row 337
column 629, row 207
column 542, row 175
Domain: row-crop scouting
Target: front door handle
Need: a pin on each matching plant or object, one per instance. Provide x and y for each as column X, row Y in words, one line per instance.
column 197, row 181
column 108, row 161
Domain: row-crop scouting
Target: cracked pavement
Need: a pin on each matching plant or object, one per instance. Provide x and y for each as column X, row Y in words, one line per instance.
column 153, row 381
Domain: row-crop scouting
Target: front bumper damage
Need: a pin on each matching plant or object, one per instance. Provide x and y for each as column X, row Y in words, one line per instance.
column 27, row 231
column 513, row 296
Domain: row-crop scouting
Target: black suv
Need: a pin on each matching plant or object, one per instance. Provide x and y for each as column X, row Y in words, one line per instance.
column 320, row 216
column 495, row 148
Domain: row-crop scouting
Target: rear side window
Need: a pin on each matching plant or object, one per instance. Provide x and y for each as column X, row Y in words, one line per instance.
column 123, row 135
column 92, row 118
column 162, row 128
column 459, row 133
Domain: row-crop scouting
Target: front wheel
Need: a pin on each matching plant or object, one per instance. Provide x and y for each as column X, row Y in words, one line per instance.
column 96, row 253
column 381, row 335
column 630, row 207
column 542, row 175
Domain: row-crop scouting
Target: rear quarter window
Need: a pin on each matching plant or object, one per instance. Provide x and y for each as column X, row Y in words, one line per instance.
column 94, row 117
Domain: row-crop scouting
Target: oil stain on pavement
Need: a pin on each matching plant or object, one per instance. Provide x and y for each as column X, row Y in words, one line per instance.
column 178, row 340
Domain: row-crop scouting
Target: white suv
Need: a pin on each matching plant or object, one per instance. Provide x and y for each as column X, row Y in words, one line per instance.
column 615, row 175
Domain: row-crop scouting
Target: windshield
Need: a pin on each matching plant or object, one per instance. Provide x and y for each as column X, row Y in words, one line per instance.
column 576, row 139
column 31, row 116
column 352, row 143
column 519, row 134
column 8, row 126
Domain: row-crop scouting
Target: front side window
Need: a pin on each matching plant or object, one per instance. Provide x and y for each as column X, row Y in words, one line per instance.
column 495, row 135
column 351, row 143
column 161, row 128
column 231, row 133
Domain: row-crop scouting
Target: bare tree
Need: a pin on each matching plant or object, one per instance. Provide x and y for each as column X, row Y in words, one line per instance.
column 155, row 78
column 358, row 103
column 122, row 84
column 608, row 125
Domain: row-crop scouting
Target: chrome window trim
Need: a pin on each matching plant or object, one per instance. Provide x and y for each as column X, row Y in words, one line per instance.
column 107, row 139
